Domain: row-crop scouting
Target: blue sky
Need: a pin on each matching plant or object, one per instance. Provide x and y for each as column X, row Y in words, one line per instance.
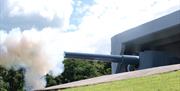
column 76, row 16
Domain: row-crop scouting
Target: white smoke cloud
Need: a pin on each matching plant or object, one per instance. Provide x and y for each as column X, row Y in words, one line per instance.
column 38, row 52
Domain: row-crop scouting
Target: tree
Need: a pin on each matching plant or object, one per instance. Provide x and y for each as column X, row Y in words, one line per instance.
column 11, row 80
column 77, row 69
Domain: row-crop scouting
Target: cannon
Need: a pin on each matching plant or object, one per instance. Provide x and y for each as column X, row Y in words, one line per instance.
column 131, row 60
column 152, row 44
column 146, row 59
column 127, row 59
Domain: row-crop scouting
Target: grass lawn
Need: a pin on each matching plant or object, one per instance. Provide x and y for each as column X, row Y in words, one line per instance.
column 161, row 82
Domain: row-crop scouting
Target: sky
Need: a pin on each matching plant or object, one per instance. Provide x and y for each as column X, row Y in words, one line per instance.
column 82, row 25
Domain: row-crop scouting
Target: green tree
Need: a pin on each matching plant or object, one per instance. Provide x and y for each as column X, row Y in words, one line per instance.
column 11, row 80
column 77, row 69
column 3, row 85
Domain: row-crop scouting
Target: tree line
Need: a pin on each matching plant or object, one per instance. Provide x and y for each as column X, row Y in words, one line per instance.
column 74, row 69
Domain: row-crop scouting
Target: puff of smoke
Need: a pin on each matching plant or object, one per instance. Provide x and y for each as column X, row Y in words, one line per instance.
column 37, row 52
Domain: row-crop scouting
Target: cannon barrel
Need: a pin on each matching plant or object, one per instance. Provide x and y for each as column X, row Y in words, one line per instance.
column 127, row 59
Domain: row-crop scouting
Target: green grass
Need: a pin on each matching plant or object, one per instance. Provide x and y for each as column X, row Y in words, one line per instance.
column 161, row 82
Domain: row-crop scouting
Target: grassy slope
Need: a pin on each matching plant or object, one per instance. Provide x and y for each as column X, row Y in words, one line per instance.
column 162, row 82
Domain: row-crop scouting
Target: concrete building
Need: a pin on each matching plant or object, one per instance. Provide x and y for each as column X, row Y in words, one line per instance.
column 156, row 43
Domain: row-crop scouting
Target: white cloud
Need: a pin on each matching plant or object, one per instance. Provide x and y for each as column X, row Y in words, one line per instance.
column 45, row 8
column 107, row 18
column 102, row 20
column 113, row 15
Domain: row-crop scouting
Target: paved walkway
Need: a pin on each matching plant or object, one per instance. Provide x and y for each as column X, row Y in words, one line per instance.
column 114, row 77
